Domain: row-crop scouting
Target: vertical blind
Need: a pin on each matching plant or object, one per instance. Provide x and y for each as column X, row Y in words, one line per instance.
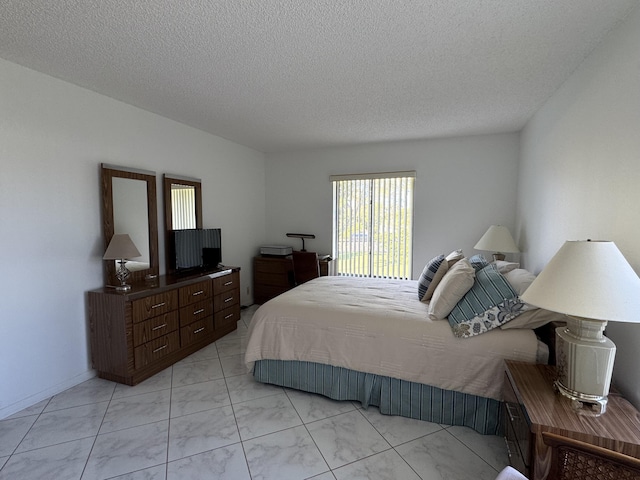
column 373, row 224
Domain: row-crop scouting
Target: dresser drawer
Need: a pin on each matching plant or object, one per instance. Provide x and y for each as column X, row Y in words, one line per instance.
column 154, row 305
column 154, row 327
column 196, row 331
column 194, row 312
column 226, row 283
column 227, row 317
column 155, row 349
column 226, row 300
column 195, row 292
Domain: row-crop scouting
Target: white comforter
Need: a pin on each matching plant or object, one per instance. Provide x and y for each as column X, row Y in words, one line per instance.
column 380, row 326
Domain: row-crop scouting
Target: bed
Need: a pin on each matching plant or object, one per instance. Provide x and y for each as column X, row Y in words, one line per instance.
column 372, row 341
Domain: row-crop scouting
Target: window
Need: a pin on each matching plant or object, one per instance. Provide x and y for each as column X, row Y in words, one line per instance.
column 373, row 224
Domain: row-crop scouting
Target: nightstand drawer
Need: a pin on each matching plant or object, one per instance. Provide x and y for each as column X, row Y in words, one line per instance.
column 516, row 425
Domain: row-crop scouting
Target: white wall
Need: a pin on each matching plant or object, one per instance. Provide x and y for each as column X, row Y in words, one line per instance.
column 53, row 137
column 580, row 172
column 463, row 185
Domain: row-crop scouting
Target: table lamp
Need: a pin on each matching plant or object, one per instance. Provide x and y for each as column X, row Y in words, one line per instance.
column 497, row 239
column 121, row 248
column 591, row 283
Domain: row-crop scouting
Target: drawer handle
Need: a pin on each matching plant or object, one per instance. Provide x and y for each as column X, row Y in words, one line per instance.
column 197, row 293
column 229, row 316
column 230, row 299
column 198, row 311
column 158, row 305
column 198, row 330
column 512, row 416
column 228, row 283
column 160, row 348
column 159, row 327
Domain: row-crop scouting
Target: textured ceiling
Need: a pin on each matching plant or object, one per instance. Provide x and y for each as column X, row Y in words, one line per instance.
column 289, row 74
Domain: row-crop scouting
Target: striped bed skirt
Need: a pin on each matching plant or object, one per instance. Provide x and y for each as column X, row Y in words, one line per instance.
column 393, row 396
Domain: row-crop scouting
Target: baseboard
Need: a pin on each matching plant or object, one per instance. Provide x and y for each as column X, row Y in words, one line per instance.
column 44, row 394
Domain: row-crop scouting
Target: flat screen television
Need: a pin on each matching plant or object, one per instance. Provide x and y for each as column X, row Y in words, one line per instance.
column 196, row 249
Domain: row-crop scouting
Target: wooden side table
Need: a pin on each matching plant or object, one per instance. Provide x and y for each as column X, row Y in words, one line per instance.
column 532, row 407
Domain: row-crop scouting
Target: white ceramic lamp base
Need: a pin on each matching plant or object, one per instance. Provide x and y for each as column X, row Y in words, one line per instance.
column 585, row 362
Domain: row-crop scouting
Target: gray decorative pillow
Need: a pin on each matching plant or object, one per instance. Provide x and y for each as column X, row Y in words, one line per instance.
column 478, row 262
column 428, row 275
column 489, row 290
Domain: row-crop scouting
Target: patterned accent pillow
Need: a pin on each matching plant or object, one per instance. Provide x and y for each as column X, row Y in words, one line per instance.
column 493, row 317
column 478, row 262
column 428, row 275
column 489, row 290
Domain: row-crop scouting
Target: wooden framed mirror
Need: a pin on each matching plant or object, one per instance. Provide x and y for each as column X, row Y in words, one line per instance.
column 129, row 205
column 182, row 207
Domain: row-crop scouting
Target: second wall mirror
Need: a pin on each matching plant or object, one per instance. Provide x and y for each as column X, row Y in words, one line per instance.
column 182, row 206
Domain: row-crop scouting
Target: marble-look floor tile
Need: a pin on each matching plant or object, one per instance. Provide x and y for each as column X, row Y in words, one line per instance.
column 232, row 346
column 64, row 425
column 398, row 430
column 387, row 465
column 265, row 415
column 205, row 353
column 35, row 409
column 129, row 412
column 226, row 463
column 63, row 461
column 324, row 476
column 127, row 451
column 491, row 448
column 196, row 372
column 95, row 390
column 12, row 431
column 346, row 438
column 244, row 387
column 199, row 397
column 312, row 407
column 160, row 381
column 234, row 365
column 440, row 456
column 202, row 431
column 286, row 455
column 159, row 472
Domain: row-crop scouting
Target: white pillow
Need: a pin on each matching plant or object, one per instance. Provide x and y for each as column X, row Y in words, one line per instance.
column 456, row 282
column 520, row 279
column 505, row 267
column 437, row 278
column 454, row 257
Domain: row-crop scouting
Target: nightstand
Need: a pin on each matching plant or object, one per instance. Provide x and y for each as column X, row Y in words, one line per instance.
column 532, row 407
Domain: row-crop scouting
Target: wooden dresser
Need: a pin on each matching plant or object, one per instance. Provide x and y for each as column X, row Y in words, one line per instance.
column 532, row 407
column 136, row 334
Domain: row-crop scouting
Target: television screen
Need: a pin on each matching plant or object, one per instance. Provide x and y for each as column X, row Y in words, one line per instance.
column 197, row 248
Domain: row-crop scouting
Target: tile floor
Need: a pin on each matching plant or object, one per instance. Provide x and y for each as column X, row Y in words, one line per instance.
column 205, row 418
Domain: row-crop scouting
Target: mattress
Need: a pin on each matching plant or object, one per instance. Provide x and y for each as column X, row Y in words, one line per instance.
column 379, row 326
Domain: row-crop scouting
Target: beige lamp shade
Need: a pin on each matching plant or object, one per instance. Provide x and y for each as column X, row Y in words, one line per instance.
column 588, row 279
column 121, row 247
column 497, row 239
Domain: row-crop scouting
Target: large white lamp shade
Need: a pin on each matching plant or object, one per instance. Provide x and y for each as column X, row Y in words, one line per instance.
column 592, row 283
